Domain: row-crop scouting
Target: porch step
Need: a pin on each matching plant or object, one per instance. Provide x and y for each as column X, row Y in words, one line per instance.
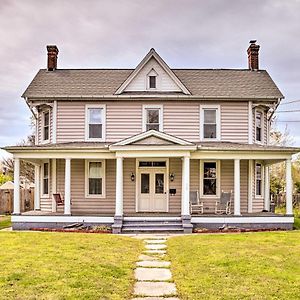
column 139, row 226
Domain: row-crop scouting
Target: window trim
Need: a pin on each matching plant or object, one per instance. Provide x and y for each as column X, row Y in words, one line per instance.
column 144, row 118
column 86, row 188
column 152, row 72
column 218, row 178
column 44, row 141
column 262, row 179
column 257, row 110
column 42, row 179
column 218, row 122
column 98, row 106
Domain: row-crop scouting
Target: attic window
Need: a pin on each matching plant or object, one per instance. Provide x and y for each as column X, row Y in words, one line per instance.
column 152, row 82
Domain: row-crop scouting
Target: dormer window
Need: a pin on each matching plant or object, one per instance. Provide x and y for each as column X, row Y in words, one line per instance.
column 152, row 82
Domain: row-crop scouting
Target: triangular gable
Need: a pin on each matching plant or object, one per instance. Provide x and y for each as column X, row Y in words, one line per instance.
column 152, row 62
column 153, row 137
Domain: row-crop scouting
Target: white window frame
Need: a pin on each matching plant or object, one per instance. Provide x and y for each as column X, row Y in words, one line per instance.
column 152, row 73
column 144, row 119
column 44, row 141
column 262, row 179
column 97, row 106
column 42, row 178
column 218, row 166
column 262, row 126
column 103, row 162
column 218, row 122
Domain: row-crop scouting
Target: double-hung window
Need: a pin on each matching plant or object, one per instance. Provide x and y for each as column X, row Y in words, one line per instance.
column 209, row 178
column 45, row 178
column 258, row 179
column 258, row 126
column 95, row 123
column 46, row 125
column 152, row 117
column 95, row 173
column 209, row 122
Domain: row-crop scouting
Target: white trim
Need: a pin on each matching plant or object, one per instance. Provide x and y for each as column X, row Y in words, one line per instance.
column 259, row 110
column 185, row 189
column 218, row 121
column 119, row 186
column 262, row 179
column 138, row 170
column 96, row 106
column 43, row 141
column 46, row 161
column 53, row 183
column 218, row 179
column 165, row 67
column 250, row 123
column 242, row 220
column 161, row 114
column 150, row 133
column 86, row 186
column 54, row 122
column 62, row 219
column 250, row 185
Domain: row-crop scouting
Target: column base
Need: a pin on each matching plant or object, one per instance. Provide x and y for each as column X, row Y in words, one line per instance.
column 186, row 224
column 117, row 226
column 16, row 214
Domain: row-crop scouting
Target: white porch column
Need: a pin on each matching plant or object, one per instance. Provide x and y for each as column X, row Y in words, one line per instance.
column 68, row 187
column 185, row 198
column 267, row 189
column 53, row 182
column 17, row 204
column 289, row 187
column 250, row 185
column 237, row 192
column 119, row 187
column 37, row 195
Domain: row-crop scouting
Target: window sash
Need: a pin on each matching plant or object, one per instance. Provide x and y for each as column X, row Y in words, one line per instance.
column 152, row 121
column 258, row 126
column 46, row 125
column 95, row 123
column 258, row 179
column 209, row 118
column 95, row 178
column 210, row 179
column 46, row 179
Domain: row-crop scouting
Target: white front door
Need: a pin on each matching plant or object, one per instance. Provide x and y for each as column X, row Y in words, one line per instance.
column 152, row 186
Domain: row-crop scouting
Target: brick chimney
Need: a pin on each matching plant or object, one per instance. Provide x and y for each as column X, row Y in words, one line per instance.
column 52, row 57
column 253, row 62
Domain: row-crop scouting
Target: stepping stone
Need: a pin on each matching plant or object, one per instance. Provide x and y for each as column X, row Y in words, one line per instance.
column 155, row 289
column 156, row 298
column 155, row 241
column 153, row 264
column 155, row 247
column 155, row 251
column 147, row 274
column 148, row 257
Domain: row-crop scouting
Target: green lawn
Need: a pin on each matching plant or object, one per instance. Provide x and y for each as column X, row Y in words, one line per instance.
column 5, row 222
column 40, row 265
column 237, row 266
column 296, row 212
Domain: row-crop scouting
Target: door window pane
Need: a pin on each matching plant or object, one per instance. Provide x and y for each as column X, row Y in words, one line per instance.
column 159, row 183
column 145, row 180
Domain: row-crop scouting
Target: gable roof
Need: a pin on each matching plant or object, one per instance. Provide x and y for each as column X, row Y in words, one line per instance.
column 152, row 54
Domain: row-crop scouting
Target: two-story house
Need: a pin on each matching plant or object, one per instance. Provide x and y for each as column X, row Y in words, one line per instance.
column 127, row 147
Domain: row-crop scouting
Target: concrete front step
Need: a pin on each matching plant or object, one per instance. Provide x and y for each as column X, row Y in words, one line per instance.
column 152, row 229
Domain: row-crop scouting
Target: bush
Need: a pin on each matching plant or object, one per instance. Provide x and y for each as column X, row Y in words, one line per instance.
column 4, row 178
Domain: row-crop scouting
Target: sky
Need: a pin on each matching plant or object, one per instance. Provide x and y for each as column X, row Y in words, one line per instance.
column 119, row 33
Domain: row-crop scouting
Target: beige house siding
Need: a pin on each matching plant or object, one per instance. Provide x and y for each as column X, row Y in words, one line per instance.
column 129, row 187
column 175, row 166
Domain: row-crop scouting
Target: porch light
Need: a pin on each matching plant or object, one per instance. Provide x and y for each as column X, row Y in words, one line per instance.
column 172, row 176
column 132, row 177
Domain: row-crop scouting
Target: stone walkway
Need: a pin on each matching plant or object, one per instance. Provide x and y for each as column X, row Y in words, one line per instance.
column 153, row 275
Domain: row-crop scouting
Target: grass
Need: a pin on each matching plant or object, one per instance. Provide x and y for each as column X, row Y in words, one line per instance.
column 296, row 212
column 39, row 265
column 5, row 222
column 236, row 266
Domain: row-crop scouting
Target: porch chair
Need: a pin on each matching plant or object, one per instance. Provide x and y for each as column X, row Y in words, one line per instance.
column 196, row 206
column 58, row 200
column 223, row 206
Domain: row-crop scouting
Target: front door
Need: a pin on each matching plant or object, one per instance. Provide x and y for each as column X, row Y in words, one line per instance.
column 152, row 190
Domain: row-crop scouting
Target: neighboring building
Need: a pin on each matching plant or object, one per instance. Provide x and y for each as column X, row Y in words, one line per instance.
column 126, row 147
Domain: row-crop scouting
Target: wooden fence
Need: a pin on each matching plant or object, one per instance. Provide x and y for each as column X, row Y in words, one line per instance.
column 280, row 200
column 7, row 200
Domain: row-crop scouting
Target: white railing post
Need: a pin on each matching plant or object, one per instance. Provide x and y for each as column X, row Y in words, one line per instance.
column 289, row 187
column 37, row 199
column 237, row 189
column 67, row 187
column 17, row 204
